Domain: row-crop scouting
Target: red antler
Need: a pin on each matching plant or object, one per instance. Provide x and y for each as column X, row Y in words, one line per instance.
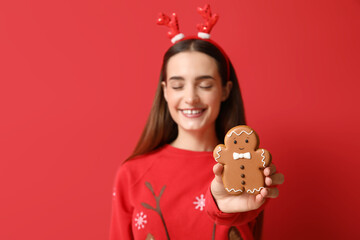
column 174, row 33
column 210, row 20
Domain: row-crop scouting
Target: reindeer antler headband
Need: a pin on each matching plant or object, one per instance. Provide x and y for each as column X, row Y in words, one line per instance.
column 204, row 28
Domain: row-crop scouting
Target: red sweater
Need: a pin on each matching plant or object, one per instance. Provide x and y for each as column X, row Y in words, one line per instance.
column 166, row 195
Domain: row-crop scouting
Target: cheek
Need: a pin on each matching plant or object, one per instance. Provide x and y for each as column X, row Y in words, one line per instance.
column 172, row 99
column 214, row 101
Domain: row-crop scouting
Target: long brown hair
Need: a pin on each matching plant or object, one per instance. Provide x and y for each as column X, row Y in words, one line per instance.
column 160, row 128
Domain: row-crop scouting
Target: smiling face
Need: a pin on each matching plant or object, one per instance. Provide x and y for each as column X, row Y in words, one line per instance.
column 193, row 90
column 242, row 139
column 244, row 142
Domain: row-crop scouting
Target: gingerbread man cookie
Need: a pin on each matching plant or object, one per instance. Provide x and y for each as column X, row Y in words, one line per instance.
column 243, row 161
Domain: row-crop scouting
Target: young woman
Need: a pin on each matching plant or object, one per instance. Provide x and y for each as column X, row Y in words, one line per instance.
column 169, row 188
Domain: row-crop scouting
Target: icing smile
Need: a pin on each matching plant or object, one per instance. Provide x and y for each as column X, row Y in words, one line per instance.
column 192, row 113
column 241, row 148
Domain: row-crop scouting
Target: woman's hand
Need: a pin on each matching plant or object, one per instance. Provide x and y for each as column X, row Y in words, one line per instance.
column 244, row 202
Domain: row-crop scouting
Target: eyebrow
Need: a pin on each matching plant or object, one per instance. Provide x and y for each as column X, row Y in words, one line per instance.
column 197, row 78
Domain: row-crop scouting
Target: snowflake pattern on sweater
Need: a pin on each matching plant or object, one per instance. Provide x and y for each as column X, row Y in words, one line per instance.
column 200, row 202
column 140, row 220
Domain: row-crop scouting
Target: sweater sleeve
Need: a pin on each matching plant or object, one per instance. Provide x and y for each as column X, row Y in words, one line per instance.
column 120, row 227
column 230, row 219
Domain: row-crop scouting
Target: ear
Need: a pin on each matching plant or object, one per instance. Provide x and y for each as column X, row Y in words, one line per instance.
column 226, row 90
column 163, row 85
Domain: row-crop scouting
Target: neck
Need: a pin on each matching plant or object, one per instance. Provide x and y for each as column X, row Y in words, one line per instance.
column 196, row 140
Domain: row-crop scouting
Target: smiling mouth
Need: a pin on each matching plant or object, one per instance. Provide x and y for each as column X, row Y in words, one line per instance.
column 241, row 148
column 192, row 112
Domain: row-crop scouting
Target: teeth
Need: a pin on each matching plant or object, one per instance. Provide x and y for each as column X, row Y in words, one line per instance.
column 191, row 112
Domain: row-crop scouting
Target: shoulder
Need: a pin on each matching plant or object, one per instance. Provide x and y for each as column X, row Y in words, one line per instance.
column 143, row 159
column 136, row 167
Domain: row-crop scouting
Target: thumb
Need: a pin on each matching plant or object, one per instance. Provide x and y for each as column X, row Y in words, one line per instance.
column 218, row 169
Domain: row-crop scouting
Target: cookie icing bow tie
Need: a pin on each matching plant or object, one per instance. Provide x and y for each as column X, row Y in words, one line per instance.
column 246, row 155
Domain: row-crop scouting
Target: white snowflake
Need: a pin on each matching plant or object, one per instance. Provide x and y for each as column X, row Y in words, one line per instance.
column 140, row 220
column 200, row 203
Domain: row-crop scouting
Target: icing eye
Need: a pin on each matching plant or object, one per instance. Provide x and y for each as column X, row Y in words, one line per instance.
column 235, row 142
column 246, row 140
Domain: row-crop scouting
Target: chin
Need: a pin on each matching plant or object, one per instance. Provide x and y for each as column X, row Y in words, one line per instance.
column 194, row 127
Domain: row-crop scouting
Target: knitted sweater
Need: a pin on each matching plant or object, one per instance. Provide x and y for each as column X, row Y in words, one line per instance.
column 166, row 195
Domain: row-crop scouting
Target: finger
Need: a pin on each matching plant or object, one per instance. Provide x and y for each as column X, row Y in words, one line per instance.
column 260, row 198
column 273, row 193
column 264, row 192
column 217, row 169
column 268, row 181
column 277, row 178
column 270, row 170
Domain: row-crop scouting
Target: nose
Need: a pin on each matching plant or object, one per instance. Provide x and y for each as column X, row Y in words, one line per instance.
column 191, row 96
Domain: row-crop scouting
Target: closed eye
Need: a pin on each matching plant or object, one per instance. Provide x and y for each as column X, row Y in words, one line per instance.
column 206, row 82
column 176, row 87
column 176, row 83
column 206, row 87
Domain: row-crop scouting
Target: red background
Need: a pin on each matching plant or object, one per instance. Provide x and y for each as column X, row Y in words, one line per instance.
column 77, row 79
